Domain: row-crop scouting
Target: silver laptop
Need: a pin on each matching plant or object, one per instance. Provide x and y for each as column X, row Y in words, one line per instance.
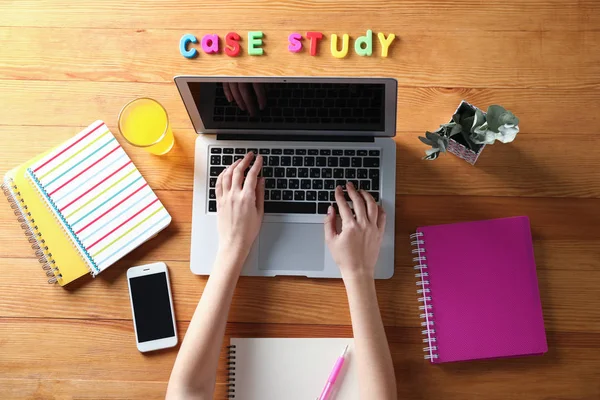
column 314, row 134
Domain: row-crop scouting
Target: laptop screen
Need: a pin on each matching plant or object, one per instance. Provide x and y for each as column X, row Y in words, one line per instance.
column 305, row 106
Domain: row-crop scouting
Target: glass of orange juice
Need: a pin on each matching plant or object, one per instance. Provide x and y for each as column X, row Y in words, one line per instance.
column 144, row 123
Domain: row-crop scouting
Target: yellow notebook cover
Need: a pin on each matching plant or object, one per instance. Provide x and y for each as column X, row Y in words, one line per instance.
column 52, row 245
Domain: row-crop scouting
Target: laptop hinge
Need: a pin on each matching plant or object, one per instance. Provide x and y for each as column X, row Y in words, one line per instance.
column 294, row 138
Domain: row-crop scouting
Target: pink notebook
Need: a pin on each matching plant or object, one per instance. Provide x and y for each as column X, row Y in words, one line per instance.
column 478, row 290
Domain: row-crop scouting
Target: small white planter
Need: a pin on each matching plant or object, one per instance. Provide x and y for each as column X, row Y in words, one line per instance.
column 458, row 147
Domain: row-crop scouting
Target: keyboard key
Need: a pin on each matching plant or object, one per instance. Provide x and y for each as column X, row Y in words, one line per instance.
column 227, row 160
column 275, row 195
column 292, row 207
column 325, row 152
column 344, row 161
column 305, row 183
column 315, row 172
column 300, row 152
column 235, row 158
column 341, row 183
column 309, row 161
column 332, row 161
column 264, row 151
column 317, row 184
column 350, row 173
column 329, row 184
column 297, row 161
column 228, row 151
column 338, row 173
column 349, row 152
column 215, row 160
column 311, row 195
column 338, row 152
column 313, row 152
column 361, row 152
column 294, row 184
column 267, row 172
column 215, row 150
column 276, row 151
column 323, row 207
column 375, row 195
column 279, row 172
column 371, row 162
column 354, row 182
column 362, row 174
column 290, row 172
column 374, row 173
column 270, row 183
column 213, row 182
column 326, row 173
column 356, row 162
column 323, row 196
column 212, row 206
column 281, row 183
column 212, row 194
column 302, row 172
column 374, row 153
column 321, row 161
column 299, row 195
column 286, row 161
column 215, row 171
column 374, row 184
column 365, row 185
column 332, row 196
column 267, row 194
column 273, row 161
column 288, row 151
column 288, row 195
column 255, row 151
column 240, row 151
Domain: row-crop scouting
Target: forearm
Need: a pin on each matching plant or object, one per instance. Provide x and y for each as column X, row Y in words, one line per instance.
column 195, row 369
column 373, row 358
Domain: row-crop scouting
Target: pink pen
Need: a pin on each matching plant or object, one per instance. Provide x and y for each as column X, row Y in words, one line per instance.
column 333, row 377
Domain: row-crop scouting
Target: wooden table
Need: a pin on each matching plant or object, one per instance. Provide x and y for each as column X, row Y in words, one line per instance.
column 64, row 64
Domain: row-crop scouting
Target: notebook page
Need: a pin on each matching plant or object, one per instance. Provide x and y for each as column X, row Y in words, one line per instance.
column 99, row 196
column 292, row 369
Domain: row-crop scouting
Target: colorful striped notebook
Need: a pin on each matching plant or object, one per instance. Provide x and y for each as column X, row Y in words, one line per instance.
column 97, row 197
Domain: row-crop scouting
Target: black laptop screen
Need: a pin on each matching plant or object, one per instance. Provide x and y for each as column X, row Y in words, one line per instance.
column 291, row 106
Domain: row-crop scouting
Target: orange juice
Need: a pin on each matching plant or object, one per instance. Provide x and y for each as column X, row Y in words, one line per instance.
column 144, row 123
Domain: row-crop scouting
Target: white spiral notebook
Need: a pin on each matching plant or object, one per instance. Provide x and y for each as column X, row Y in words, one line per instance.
column 290, row 369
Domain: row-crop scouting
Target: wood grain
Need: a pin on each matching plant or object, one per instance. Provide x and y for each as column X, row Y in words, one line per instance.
column 66, row 63
column 414, row 59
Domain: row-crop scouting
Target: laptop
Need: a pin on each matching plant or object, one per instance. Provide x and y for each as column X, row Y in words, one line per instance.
column 314, row 133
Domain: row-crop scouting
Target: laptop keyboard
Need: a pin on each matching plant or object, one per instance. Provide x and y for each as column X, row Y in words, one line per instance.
column 302, row 181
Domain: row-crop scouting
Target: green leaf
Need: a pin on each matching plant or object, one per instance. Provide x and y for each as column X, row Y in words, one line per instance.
column 426, row 141
column 467, row 123
column 434, row 137
column 508, row 118
column 494, row 114
column 456, row 129
column 478, row 120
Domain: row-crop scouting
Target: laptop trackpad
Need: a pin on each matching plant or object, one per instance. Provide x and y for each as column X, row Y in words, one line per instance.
column 291, row 247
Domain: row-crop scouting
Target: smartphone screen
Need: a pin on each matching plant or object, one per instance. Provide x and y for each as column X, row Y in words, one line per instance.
column 152, row 307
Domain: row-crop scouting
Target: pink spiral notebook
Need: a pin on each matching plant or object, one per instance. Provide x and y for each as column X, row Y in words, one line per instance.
column 478, row 290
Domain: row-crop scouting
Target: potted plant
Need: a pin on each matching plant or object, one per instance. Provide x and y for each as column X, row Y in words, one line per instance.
column 469, row 130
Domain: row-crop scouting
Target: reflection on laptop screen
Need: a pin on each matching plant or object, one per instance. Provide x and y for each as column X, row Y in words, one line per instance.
column 290, row 106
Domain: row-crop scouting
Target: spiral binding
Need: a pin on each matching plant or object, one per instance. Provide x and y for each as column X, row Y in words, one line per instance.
column 31, row 230
column 230, row 383
column 424, row 293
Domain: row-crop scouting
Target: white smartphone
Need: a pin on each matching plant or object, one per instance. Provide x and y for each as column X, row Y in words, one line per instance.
column 152, row 307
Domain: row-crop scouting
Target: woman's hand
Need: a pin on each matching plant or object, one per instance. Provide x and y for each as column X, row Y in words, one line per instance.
column 355, row 248
column 240, row 207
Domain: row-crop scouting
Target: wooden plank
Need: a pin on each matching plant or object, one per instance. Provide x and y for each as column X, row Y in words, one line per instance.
column 283, row 299
column 528, row 59
column 67, row 389
column 567, row 370
column 532, row 166
column 549, row 111
column 434, row 15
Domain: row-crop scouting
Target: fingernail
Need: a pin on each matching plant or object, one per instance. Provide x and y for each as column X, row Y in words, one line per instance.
column 350, row 184
column 329, row 210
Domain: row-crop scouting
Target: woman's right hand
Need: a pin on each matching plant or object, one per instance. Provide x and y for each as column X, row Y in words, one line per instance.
column 355, row 248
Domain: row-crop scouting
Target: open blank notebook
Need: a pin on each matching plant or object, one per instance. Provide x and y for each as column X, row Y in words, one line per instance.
column 290, row 369
column 478, row 290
